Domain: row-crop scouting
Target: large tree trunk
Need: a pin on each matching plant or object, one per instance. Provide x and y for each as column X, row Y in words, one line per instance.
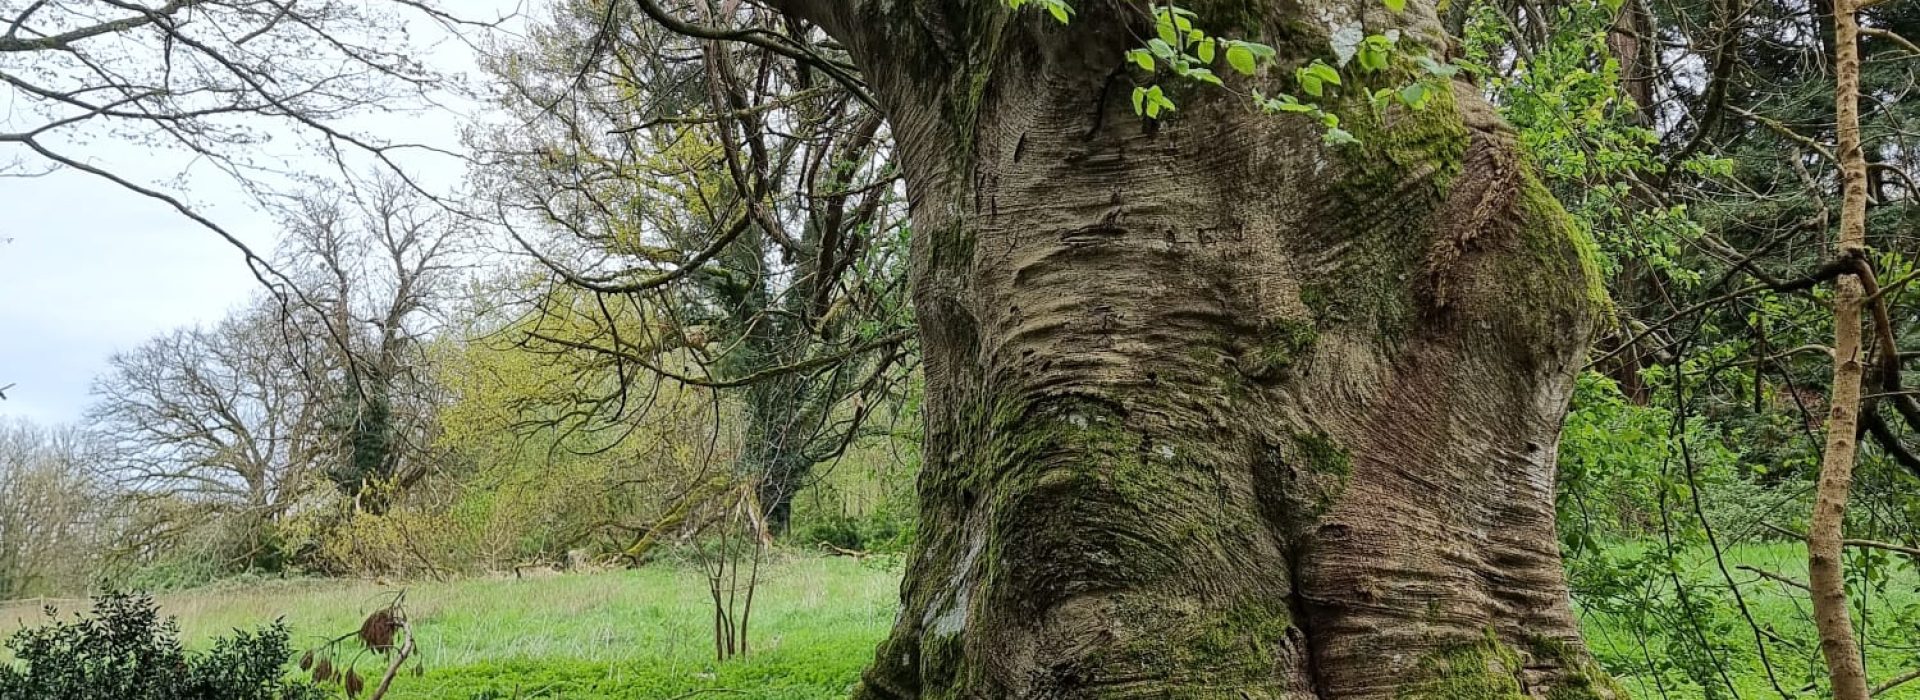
column 1215, row 409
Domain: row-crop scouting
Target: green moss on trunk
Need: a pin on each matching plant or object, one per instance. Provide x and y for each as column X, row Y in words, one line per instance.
column 1485, row 669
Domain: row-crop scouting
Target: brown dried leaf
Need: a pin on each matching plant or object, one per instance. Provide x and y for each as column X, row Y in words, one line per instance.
column 353, row 684
column 377, row 631
column 306, row 660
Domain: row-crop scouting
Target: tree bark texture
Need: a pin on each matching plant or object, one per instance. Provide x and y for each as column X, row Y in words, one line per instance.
column 1214, row 409
column 1826, row 576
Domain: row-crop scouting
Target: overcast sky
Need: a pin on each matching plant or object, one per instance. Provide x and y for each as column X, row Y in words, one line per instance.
column 88, row 269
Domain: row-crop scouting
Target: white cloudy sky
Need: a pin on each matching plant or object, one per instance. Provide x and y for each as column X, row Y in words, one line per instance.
column 87, row 269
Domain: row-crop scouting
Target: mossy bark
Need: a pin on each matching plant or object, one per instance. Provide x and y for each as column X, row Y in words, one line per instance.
column 1215, row 409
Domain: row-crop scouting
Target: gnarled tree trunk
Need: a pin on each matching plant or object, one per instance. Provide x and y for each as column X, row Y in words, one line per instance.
column 1215, row 409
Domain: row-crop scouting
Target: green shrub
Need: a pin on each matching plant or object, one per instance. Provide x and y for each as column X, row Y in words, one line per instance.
column 877, row 533
column 124, row 650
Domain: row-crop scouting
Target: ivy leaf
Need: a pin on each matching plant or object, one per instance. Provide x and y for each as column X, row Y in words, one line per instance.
column 1311, row 85
column 1157, row 101
column 1314, row 75
column 1289, row 103
column 1325, row 72
column 1415, row 95
column 1436, row 68
column 1240, row 58
column 1374, row 52
column 1372, row 59
column 1142, row 58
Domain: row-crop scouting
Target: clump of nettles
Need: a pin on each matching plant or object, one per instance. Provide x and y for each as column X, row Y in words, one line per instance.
column 124, row 650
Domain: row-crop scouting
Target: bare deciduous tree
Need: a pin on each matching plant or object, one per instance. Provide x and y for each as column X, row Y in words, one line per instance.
column 213, row 79
column 215, row 417
column 51, row 513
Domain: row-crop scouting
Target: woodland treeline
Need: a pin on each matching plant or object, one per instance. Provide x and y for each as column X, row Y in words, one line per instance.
column 672, row 308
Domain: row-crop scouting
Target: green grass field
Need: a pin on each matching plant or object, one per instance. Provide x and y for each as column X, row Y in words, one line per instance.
column 647, row 633
column 644, row 633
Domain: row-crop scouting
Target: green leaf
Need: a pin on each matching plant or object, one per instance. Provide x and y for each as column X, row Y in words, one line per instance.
column 1240, row 58
column 1205, row 76
column 1151, row 101
column 1314, row 76
column 1324, row 72
column 1396, row 5
column 1168, row 34
column 1204, row 49
column 1415, row 95
column 1142, row 58
column 1162, row 49
column 1339, row 137
column 1157, row 101
column 1310, row 85
column 1436, row 68
column 1058, row 10
column 1372, row 59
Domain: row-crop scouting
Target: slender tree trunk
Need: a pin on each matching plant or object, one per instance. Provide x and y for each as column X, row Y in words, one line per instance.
column 1215, row 409
column 1825, row 574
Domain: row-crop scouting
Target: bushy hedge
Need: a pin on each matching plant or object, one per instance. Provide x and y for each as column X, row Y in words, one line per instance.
column 124, row 650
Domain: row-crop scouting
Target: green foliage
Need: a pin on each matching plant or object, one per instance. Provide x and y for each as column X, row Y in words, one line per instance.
column 1182, row 49
column 1568, row 103
column 1618, row 461
column 123, row 650
column 886, row 535
column 1059, row 9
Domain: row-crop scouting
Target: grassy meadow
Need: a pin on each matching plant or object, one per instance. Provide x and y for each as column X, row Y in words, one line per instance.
column 646, row 633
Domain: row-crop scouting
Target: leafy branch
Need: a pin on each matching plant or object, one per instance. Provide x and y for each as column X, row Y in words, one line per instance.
column 1181, row 49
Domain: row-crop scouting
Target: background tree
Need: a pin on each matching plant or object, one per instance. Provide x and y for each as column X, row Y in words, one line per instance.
column 374, row 263
column 214, row 422
column 746, row 199
column 53, row 524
